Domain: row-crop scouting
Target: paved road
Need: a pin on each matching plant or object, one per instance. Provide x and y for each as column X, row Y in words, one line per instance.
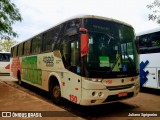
column 16, row 98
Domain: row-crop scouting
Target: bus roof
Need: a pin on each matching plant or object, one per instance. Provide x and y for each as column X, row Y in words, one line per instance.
column 76, row 17
column 5, row 52
column 148, row 31
column 100, row 17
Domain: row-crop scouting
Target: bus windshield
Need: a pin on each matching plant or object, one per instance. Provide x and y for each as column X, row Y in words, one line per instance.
column 4, row 57
column 111, row 47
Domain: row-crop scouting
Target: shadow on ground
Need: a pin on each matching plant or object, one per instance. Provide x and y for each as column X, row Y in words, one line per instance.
column 150, row 91
column 88, row 112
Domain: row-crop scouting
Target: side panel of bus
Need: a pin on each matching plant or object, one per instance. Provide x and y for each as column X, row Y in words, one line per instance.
column 37, row 70
column 5, row 67
column 71, row 86
column 150, row 70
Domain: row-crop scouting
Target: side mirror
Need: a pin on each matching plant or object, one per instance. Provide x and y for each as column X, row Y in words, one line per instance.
column 84, row 44
column 84, row 41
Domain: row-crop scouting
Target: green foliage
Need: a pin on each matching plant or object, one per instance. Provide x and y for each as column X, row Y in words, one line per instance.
column 5, row 45
column 155, row 8
column 9, row 14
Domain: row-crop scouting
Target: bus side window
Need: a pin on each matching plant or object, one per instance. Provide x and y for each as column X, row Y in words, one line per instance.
column 15, row 51
column 36, row 45
column 20, row 49
column 45, row 42
column 150, row 43
column 27, row 45
column 60, row 36
column 50, row 39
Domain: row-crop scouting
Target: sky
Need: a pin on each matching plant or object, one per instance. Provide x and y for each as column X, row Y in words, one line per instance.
column 40, row 15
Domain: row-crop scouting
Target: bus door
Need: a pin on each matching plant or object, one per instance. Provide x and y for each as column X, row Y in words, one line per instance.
column 158, row 80
column 152, row 78
column 72, row 77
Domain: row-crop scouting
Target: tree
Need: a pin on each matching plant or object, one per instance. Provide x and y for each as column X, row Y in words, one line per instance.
column 155, row 8
column 5, row 45
column 9, row 14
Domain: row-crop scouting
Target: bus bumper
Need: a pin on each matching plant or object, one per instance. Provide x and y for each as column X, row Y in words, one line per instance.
column 104, row 96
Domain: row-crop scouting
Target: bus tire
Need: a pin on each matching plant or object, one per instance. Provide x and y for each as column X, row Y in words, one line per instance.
column 19, row 78
column 55, row 92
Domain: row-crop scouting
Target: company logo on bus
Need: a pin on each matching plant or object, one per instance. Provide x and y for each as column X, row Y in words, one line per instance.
column 122, row 75
column 122, row 80
column 48, row 60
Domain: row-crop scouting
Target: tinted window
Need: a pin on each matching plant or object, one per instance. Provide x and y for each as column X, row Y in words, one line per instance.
column 27, row 45
column 111, row 46
column 72, row 27
column 149, row 43
column 4, row 57
column 69, row 28
column 49, row 39
column 36, row 44
column 20, row 49
column 15, row 51
column 71, row 52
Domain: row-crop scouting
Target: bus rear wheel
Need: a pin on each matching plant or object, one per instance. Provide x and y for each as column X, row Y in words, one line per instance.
column 55, row 92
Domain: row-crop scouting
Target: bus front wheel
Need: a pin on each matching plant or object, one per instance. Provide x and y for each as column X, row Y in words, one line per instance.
column 55, row 92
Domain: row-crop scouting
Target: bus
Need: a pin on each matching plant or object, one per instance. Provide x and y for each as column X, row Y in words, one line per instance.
column 149, row 50
column 4, row 62
column 88, row 60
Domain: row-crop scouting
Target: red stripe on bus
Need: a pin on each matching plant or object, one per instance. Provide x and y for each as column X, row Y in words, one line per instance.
column 8, row 66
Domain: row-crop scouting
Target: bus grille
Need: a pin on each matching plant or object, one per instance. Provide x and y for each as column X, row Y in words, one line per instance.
column 115, row 97
column 119, row 87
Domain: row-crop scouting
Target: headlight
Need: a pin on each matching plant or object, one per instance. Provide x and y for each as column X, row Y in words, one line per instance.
column 95, row 80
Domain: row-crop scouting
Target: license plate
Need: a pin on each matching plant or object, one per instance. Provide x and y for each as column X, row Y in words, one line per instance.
column 122, row 94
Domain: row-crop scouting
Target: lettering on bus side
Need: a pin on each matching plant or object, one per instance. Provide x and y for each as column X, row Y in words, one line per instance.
column 49, row 60
column 73, row 98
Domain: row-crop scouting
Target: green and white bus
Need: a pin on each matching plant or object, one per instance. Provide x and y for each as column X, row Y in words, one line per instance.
column 88, row 60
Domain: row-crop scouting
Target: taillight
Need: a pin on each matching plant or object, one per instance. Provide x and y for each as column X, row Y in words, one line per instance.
column 8, row 66
column 132, row 79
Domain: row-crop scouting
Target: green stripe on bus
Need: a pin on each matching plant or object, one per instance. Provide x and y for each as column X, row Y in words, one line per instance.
column 30, row 71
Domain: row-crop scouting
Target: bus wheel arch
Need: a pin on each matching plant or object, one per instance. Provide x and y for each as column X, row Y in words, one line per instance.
column 55, row 90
